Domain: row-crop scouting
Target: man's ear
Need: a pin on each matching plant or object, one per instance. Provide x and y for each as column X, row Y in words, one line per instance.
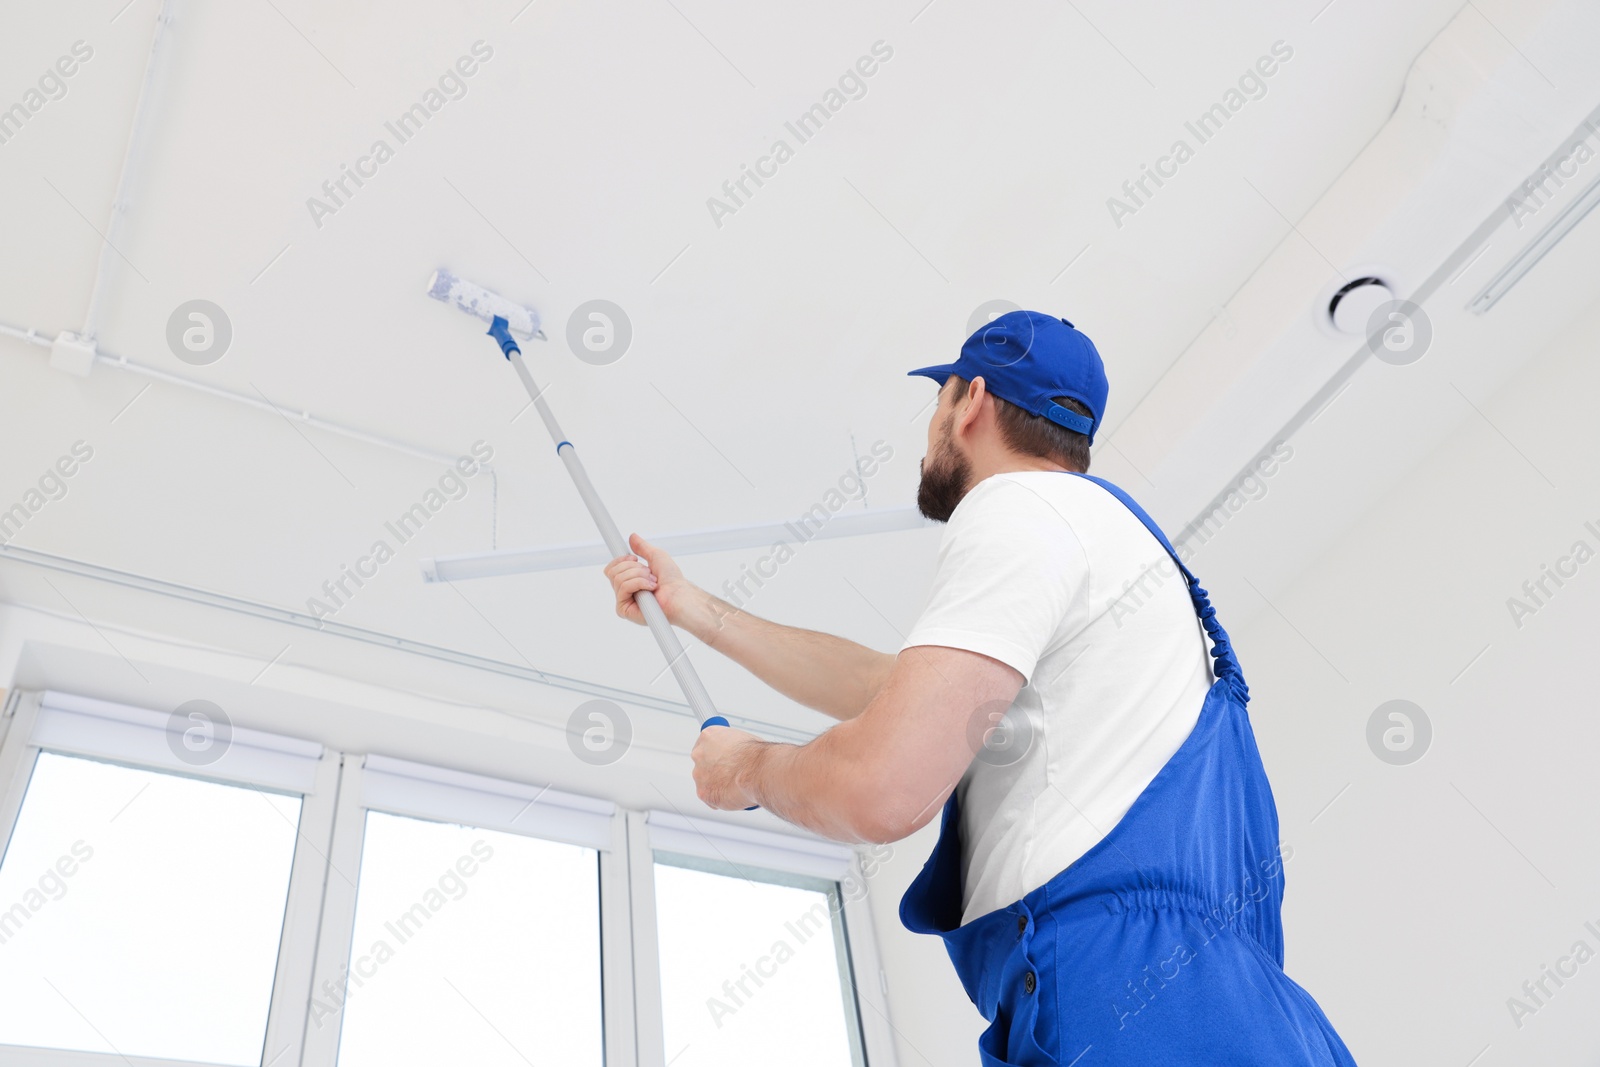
column 977, row 392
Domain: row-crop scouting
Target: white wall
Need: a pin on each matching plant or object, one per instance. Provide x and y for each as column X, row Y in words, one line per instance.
column 1426, row 894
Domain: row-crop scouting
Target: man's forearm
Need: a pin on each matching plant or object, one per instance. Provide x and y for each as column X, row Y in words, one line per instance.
column 845, row 784
column 880, row 776
column 824, row 786
column 835, row 676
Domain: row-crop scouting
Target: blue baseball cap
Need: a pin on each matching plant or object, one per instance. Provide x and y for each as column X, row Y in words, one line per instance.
column 1029, row 359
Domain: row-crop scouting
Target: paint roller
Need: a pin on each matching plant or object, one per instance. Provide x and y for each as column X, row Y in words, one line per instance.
column 506, row 319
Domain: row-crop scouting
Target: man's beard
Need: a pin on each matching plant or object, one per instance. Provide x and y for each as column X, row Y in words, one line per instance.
column 945, row 473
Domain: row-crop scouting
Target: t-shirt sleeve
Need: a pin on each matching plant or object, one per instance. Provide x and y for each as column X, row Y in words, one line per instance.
column 1009, row 569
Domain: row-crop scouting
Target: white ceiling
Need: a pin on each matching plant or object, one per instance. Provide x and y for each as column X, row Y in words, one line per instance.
column 578, row 165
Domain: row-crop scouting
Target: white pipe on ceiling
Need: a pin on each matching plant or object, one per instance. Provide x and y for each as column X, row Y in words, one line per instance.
column 138, row 138
column 34, row 337
column 290, row 617
column 1464, row 253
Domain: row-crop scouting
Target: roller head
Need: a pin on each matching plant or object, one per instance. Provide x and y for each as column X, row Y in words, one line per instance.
column 476, row 300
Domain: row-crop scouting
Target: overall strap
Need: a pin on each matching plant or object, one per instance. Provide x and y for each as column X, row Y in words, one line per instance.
column 1227, row 665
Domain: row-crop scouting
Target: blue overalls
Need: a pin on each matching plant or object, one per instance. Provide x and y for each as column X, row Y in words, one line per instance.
column 1163, row 943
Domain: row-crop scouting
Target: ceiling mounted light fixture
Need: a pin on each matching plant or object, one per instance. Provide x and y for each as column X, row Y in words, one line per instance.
column 505, row 561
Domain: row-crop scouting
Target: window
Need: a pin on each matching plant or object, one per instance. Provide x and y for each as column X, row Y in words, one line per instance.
column 178, row 889
column 755, row 964
column 470, row 946
column 143, row 912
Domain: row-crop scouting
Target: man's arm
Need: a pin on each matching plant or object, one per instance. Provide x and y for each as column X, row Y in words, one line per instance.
column 882, row 775
column 832, row 675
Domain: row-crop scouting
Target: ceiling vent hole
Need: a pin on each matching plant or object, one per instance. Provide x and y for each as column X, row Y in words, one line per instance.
column 1352, row 306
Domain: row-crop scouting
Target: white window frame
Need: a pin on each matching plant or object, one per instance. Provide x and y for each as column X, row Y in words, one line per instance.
column 338, row 789
column 399, row 787
column 738, row 843
column 136, row 737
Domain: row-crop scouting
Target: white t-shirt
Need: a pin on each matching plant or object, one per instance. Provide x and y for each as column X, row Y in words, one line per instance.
column 1052, row 575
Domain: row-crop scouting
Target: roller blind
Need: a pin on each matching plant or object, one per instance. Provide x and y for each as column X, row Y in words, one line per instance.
column 175, row 741
column 406, row 788
column 747, row 845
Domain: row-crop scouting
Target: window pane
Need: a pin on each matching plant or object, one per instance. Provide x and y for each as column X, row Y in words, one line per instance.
column 142, row 912
column 471, row 946
column 754, row 968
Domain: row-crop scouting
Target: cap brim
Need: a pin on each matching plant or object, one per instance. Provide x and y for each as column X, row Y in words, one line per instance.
column 938, row 374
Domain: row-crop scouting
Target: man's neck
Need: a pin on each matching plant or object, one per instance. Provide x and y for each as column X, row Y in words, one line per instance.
column 1010, row 463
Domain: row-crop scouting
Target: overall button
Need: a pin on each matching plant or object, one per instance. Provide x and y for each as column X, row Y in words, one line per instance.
column 1029, row 982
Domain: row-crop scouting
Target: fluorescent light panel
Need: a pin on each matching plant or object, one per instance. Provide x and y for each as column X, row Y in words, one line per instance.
column 721, row 539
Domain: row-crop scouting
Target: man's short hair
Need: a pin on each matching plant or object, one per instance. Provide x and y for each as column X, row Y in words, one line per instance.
column 1035, row 435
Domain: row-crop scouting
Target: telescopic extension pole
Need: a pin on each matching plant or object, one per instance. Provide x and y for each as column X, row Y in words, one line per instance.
column 677, row 659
